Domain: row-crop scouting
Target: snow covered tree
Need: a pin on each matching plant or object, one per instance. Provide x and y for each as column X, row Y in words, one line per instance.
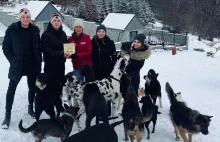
column 146, row 15
column 90, row 11
column 82, row 9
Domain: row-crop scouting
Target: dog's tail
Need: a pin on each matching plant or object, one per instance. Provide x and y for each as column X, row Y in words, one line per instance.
column 171, row 94
column 29, row 129
column 117, row 123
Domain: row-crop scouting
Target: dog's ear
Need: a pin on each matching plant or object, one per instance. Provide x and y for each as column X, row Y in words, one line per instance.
column 157, row 75
column 209, row 118
column 66, row 107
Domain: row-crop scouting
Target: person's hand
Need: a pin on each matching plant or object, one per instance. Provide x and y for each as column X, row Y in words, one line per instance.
column 66, row 55
column 72, row 56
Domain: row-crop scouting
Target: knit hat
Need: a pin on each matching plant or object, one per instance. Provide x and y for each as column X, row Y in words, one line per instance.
column 78, row 22
column 141, row 37
column 24, row 11
column 55, row 16
column 101, row 27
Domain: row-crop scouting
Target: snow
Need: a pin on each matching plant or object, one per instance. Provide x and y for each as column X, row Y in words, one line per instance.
column 158, row 25
column 117, row 20
column 189, row 72
column 3, row 28
column 67, row 30
column 35, row 8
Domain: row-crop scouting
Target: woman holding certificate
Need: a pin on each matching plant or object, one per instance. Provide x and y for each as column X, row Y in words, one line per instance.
column 83, row 49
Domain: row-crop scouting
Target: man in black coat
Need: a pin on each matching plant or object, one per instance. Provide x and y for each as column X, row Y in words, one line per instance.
column 21, row 46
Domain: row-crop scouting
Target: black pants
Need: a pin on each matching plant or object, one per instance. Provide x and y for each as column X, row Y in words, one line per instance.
column 12, row 88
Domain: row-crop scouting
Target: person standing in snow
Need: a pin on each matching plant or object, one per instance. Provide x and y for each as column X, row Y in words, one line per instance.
column 21, row 46
column 83, row 49
column 52, row 41
column 139, row 52
column 103, row 49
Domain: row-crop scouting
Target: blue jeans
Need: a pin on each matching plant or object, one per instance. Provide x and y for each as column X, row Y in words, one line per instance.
column 77, row 73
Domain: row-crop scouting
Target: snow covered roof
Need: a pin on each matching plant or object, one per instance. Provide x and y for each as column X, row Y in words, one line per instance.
column 117, row 20
column 36, row 7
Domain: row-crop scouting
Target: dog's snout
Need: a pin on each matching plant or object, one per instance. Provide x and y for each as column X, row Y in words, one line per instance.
column 206, row 132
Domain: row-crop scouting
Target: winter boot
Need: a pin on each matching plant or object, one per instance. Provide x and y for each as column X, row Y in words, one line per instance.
column 31, row 111
column 6, row 122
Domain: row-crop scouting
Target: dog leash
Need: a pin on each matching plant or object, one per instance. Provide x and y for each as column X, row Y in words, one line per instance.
column 76, row 121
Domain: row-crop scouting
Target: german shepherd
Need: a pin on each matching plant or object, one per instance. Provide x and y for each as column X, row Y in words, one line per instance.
column 60, row 127
column 184, row 119
column 132, row 116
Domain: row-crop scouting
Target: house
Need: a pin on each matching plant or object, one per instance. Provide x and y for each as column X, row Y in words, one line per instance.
column 41, row 12
column 123, row 27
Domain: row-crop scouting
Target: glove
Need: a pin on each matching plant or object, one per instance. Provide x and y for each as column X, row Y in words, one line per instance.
column 72, row 56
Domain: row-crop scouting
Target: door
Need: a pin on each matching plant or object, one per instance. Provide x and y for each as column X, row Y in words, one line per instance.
column 133, row 35
column 45, row 24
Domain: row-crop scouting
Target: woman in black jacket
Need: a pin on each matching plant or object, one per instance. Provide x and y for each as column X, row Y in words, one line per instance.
column 139, row 51
column 103, row 49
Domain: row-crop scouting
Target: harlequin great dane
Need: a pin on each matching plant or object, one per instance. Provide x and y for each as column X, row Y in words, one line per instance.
column 109, row 87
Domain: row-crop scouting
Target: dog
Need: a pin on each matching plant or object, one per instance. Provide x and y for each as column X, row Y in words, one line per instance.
column 150, row 111
column 184, row 119
column 95, row 105
column 109, row 87
column 132, row 116
column 152, row 86
column 60, row 127
column 97, row 133
column 49, row 97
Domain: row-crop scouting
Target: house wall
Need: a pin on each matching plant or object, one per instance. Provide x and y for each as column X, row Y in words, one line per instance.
column 134, row 24
column 46, row 13
column 7, row 18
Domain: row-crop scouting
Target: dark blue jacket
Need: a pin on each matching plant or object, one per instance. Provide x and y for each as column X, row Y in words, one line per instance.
column 13, row 49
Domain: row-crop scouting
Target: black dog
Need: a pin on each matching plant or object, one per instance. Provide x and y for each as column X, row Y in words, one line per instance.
column 184, row 119
column 97, row 133
column 150, row 111
column 152, row 86
column 60, row 127
column 95, row 104
column 49, row 97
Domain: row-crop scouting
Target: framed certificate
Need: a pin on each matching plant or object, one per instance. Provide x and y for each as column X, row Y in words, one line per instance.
column 69, row 48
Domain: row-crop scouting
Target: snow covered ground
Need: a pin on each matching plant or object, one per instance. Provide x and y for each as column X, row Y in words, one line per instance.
column 2, row 30
column 189, row 72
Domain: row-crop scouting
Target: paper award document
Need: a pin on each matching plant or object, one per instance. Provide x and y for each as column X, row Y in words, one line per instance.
column 69, row 48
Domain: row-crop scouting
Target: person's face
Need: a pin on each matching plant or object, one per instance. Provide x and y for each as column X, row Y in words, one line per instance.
column 56, row 23
column 101, row 34
column 25, row 19
column 78, row 29
column 137, row 44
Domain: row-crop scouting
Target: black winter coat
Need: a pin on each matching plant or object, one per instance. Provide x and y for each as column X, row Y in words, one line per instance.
column 133, row 69
column 12, row 47
column 103, row 56
column 52, row 46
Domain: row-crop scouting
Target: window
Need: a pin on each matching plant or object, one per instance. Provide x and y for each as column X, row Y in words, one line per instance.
column 45, row 24
column 133, row 35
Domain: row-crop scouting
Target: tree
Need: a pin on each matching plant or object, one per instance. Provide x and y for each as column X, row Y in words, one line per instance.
column 146, row 15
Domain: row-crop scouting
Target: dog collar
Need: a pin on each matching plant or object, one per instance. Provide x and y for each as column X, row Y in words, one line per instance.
column 70, row 115
column 115, row 78
column 76, row 121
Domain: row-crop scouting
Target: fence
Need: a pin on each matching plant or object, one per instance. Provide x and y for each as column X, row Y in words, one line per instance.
column 157, row 37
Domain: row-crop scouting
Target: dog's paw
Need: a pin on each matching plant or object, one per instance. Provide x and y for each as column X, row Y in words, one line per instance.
column 177, row 139
column 148, row 137
column 126, row 139
column 152, row 132
column 4, row 126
